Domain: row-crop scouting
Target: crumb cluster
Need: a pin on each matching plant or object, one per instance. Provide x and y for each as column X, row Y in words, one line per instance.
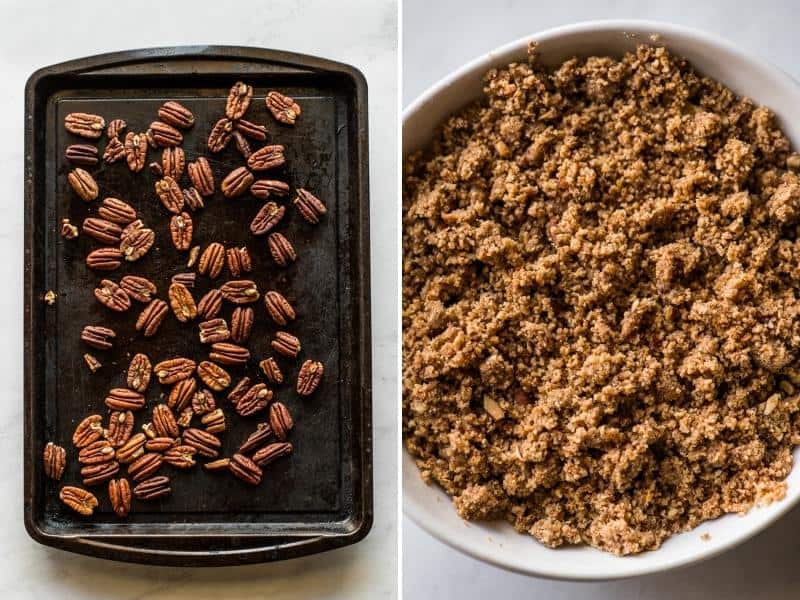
column 600, row 302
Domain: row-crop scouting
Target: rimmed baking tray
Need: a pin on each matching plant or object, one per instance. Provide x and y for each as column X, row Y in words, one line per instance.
column 321, row 497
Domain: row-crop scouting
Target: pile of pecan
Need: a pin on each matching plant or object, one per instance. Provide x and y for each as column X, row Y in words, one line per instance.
column 185, row 427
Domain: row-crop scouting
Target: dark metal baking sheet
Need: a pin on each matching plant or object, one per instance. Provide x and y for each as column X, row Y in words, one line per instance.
column 321, row 497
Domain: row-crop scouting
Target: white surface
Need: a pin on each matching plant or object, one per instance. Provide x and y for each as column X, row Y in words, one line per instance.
column 498, row 543
column 362, row 33
column 437, row 39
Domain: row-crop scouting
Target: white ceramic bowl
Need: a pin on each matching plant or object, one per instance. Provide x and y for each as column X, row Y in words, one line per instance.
column 498, row 543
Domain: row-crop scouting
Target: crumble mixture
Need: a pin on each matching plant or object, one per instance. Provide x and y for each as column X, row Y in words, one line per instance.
column 600, row 282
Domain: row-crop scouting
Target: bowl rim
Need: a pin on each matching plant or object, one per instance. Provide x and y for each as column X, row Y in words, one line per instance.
column 417, row 511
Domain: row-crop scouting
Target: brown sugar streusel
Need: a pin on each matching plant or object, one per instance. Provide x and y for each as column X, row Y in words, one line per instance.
column 600, row 302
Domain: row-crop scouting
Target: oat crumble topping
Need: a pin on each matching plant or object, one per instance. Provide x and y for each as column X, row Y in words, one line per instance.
column 600, row 283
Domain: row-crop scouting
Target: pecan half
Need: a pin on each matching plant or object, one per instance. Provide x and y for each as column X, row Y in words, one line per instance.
column 151, row 317
column 139, row 373
column 206, row 444
column 165, row 135
column 242, row 145
column 214, row 421
column 254, row 400
column 264, row 188
column 278, row 308
column 245, row 469
column 241, row 291
column 201, row 175
column 283, row 108
column 268, row 216
column 176, row 114
column 111, row 295
column 85, row 124
column 212, row 260
column 83, row 154
column 214, row 330
column 203, row 402
column 238, row 261
column 309, row 206
column 225, row 353
column 83, row 184
column 192, row 198
column 174, row 369
column 115, row 127
column 132, row 449
column 92, row 362
column 213, row 376
column 181, row 456
column 217, row 465
column 280, row 420
column 181, row 394
column 251, row 130
column 257, row 439
column 104, row 259
column 182, row 303
column 145, row 466
column 114, row 151
column 124, row 399
column 120, row 428
column 267, row 157
column 281, row 249
column 173, row 162
column 238, row 101
column 153, row 488
column 236, row 182
column 155, row 169
column 55, row 460
column 241, row 324
column 137, row 244
column 210, row 304
column 89, row 430
column 97, row 474
column 101, row 230
column 98, row 337
column 135, row 151
column 81, row 501
column 164, row 421
column 138, row 288
column 187, row 279
column 96, row 453
column 271, row 370
column 271, row 452
column 286, row 344
column 180, row 230
column 170, row 194
column 68, row 230
column 221, row 134
column 160, row 444
column 117, row 211
column 119, row 493
column 239, row 390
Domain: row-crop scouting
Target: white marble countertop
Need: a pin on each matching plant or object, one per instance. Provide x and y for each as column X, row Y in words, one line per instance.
column 363, row 33
column 437, row 38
